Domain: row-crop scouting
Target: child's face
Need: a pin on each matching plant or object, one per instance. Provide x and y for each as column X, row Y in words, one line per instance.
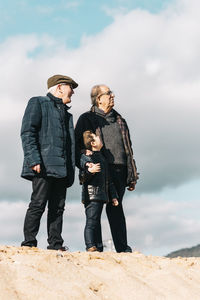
column 97, row 143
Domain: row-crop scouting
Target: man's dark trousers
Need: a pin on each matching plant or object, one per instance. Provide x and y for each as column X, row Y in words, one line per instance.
column 115, row 214
column 53, row 191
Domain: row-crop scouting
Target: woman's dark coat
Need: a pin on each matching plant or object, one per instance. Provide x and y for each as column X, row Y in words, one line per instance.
column 92, row 121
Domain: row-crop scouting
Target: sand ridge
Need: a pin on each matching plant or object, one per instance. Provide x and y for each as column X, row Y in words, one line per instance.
column 32, row 273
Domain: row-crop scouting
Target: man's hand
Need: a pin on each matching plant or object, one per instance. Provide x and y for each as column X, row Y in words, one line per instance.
column 115, row 202
column 36, row 168
column 94, row 168
column 131, row 186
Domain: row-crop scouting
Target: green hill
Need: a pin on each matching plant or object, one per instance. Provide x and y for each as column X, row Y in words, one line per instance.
column 186, row 252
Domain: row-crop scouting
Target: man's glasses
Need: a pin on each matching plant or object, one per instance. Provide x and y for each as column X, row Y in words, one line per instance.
column 108, row 93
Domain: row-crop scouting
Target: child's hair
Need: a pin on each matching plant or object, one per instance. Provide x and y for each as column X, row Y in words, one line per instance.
column 88, row 138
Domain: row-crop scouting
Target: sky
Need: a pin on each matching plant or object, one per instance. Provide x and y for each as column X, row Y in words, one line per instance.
column 148, row 53
column 67, row 20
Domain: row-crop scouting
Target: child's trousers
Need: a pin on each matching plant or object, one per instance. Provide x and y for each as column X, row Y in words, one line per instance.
column 92, row 232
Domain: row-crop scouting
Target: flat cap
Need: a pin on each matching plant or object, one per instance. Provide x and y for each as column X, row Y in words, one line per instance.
column 56, row 79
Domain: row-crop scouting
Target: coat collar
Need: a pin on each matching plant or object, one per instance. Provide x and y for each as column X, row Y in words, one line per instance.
column 57, row 100
column 100, row 112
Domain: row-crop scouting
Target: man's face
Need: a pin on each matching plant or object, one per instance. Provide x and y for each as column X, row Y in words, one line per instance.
column 66, row 93
column 106, row 98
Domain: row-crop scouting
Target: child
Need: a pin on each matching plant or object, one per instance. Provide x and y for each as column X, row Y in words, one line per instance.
column 97, row 187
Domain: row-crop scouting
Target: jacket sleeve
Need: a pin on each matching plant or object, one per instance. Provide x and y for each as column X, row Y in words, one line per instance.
column 84, row 174
column 29, row 132
column 84, row 159
column 133, row 174
column 79, row 129
column 83, row 124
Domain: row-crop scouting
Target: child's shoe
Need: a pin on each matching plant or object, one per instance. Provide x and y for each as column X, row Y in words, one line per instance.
column 92, row 249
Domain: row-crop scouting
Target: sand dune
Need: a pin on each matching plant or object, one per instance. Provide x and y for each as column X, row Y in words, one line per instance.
column 42, row 274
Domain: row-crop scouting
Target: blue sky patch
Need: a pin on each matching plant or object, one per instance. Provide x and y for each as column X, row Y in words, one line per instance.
column 68, row 20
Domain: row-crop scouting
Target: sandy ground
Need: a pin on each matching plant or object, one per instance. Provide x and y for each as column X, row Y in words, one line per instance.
column 27, row 273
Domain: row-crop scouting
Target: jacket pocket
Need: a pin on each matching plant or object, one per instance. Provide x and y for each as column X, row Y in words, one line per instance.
column 53, row 160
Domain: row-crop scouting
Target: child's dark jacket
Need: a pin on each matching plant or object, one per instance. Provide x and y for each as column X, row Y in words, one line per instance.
column 98, row 186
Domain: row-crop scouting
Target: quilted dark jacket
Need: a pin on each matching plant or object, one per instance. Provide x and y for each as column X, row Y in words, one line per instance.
column 47, row 135
column 98, row 186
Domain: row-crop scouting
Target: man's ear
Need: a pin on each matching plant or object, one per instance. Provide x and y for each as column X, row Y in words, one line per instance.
column 59, row 88
column 93, row 143
column 98, row 101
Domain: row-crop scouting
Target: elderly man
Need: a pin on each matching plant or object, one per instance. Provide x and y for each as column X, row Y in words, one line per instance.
column 107, row 122
column 47, row 135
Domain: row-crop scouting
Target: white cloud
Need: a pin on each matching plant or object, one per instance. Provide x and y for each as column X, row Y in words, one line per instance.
column 72, row 4
column 44, row 9
column 150, row 60
column 155, row 225
column 113, row 12
column 158, row 226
